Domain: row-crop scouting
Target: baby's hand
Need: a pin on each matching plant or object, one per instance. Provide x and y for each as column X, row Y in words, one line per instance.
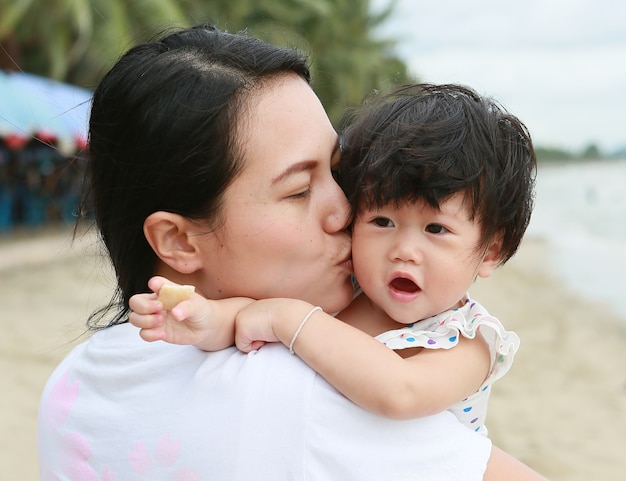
column 253, row 326
column 268, row 320
column 186, row 322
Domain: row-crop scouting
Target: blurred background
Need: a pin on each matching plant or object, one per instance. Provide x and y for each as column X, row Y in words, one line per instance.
column 560, row 67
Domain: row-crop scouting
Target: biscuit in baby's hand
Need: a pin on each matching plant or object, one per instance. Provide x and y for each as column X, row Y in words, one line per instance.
column 170, row 294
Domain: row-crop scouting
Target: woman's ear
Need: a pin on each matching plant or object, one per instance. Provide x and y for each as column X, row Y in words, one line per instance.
column 491, row 259
column 172, row 237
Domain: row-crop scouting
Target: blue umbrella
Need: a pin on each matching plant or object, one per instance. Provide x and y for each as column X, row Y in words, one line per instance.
column 33, row 106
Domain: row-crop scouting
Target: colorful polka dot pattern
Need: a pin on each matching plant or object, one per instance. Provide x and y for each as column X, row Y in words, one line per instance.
column 442, row 332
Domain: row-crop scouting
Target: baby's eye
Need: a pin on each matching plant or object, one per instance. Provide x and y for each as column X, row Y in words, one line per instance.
column 436, row 229
column 382, row 222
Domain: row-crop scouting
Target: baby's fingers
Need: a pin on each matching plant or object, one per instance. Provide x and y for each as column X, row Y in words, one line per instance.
column 151, row 335
column 246, row 344
column 152, row 326
column 147, row 321
column 145, row 303
column 156, row 282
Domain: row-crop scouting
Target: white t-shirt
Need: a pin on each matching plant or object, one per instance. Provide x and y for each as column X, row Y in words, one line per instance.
column 118, row 409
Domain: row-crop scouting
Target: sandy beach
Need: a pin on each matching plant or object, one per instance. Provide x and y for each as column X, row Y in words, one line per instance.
column 561, row 409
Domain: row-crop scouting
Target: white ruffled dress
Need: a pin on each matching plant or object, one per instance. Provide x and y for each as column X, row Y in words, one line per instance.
column 442, row 332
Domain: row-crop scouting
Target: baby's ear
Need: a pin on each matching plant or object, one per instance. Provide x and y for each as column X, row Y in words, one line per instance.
column 491, row 259
column 172, row 238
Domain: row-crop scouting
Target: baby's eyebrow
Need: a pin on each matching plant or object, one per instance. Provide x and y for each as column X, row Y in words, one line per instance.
column 294, row 169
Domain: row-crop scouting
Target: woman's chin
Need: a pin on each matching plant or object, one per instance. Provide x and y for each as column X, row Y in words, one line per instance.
column 339, row 299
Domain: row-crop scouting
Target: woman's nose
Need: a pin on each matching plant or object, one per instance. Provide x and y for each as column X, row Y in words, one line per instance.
column 338, row 213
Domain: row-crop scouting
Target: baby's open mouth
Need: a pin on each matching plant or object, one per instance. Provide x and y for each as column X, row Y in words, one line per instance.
column 403, row 284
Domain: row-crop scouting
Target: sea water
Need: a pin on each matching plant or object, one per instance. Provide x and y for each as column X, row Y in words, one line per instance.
column 580, row 210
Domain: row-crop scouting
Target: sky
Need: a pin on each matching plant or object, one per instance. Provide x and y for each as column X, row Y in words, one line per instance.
column 558, row 65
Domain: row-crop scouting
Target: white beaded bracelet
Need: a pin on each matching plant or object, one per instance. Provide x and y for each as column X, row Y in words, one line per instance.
column 295, row 334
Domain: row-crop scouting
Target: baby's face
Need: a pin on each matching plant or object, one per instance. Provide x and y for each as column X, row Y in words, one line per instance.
column 415, row 261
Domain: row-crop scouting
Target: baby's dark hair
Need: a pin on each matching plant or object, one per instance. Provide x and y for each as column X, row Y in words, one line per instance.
column 425, row 143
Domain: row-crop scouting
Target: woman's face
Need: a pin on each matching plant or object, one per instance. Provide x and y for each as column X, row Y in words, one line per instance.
column 284, row 215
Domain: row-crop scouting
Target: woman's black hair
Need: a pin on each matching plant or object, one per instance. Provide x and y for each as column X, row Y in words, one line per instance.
column 163, row 137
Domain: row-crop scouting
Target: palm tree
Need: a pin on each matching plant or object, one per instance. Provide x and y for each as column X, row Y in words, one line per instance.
column 348, row 62
column 78, row 40
column 64, row 39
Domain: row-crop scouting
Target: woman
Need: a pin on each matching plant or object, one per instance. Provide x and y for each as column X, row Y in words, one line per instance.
column 211, row 164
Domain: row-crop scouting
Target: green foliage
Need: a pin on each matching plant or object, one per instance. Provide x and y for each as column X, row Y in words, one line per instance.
column 591, row 152
column 78, row 40
column 551, row 154
column 348, row 63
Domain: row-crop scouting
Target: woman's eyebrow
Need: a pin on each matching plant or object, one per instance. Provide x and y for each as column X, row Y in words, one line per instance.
column 294, row 169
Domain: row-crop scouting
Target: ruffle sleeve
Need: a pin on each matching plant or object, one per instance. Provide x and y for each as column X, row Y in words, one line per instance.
column 443, row 330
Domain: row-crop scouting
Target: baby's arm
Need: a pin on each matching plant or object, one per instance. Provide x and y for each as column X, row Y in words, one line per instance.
column 206, row 324
column 364, row 370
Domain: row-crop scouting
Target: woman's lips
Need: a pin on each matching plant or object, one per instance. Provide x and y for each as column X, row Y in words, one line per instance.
column 346, row 263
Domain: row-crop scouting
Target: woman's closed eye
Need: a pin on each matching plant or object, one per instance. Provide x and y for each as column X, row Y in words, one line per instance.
column 303, row 194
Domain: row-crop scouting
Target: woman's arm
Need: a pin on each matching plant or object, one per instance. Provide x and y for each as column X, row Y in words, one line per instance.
column 363, row 369
column 502, row 465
